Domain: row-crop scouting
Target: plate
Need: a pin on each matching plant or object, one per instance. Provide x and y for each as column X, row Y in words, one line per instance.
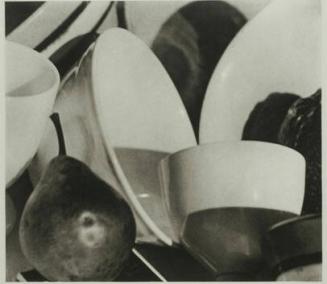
column 278, row 51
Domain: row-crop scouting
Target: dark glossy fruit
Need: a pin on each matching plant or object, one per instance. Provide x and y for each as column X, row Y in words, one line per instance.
column 74, row 226
column 295, row 122
column 190, row 44
column 266, row 118
column 301, row 130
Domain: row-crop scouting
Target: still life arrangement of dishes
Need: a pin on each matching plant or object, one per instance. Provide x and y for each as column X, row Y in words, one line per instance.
column 193, row 125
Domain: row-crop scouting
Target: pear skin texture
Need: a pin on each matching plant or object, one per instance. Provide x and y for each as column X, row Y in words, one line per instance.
column 75, row 227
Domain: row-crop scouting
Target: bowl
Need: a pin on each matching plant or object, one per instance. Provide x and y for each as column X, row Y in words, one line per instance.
column 231, row 174
column 261, row 60
column 32, row 82
column 141, row 115
column 293, row 249
column 121, row 114
column 227, row 240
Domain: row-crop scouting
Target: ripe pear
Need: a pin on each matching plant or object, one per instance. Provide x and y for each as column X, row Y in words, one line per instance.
column 75, row 227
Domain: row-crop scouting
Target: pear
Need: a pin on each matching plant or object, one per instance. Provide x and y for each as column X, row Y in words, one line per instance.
column 75, row 227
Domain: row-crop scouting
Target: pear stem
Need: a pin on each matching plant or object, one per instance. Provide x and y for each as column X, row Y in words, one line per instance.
column 61, row 140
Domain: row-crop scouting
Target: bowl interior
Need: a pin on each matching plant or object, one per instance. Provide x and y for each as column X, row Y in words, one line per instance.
column 31, row 86
column 138, row 110
column 27, row 72
column 139, row 107
column 228, row 240
column 138, row 163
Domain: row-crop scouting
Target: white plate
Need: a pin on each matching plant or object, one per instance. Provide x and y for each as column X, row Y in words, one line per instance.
column 139, row 110
column 140, row 13
column 278, row 51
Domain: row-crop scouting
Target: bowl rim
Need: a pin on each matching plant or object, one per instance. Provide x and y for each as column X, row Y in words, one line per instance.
column 205, row 146
column 41, row 61
column 295, row 220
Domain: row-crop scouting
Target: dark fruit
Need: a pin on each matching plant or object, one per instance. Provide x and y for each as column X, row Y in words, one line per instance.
column 295, row 122
column 266, row 118
column 74, row 226
column 301, row 130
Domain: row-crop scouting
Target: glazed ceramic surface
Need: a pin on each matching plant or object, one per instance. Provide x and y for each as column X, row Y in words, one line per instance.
column 142, row 116
column 31, row 86
column 232, row 174
column 278, row 51
column 137, row 101
column 84, row 23
column 42, row 22
column 122, row 86
column 53, row 24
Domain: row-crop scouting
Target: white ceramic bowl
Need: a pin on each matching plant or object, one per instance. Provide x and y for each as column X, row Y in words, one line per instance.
column 31, row 87
column 140, row 13
column 140, row 114
column 231, row 174
column 278, row 51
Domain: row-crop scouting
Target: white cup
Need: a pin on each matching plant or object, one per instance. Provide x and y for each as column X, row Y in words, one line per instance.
column 231, row 174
